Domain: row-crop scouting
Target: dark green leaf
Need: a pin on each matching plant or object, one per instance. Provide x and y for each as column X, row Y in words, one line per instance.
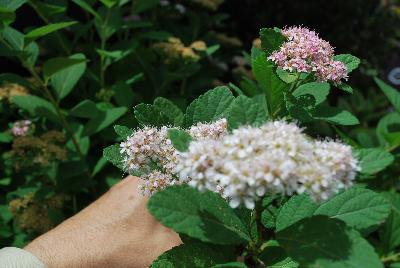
column 323, row 242
column 88, row 8
column 192, row 254
column 245, row 111
column 12, row 4
column 202, row 215
column 209, row 107
column 47, row 29
column 103, row 120
column 170, row 110
column 373, row 160
column 56, row 65
column 7, row 16
column 350, row 61
column 180, row 139
column 85, row 109
column 335, row 115
column 345, row 87
column 297, row 208
column 112, row 154
column 147, row 114
column 271, row 39
column 36, row 106
column 123, row 132
column 274, row 256
column 287, row 77
column 231, row 265
column 65, row 80
column 390, row 233
column 271, row 84
column 319, row 91
column 392, row 94
column 357, row 207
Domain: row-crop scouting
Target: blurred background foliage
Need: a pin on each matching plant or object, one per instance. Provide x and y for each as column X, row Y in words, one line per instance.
column 127, row 52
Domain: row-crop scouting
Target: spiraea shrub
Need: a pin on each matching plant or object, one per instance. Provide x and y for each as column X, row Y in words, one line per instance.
column 242, row 180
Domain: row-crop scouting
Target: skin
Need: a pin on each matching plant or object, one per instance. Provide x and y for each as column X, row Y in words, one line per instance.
column 114, row 231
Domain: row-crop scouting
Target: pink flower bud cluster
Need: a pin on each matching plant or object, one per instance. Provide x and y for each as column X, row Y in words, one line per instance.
column 305, row 52
column 150, row 152
column 21, row 128
column 274, row 158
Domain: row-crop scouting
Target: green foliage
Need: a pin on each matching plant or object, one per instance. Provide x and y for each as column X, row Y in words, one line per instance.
column 207, row 217
column 350, row 61
column 180, row 139
column 271, row 39
column 192, row 254
column 323, row 242
column 80, row 67
column 374, row 160
column 209, row 107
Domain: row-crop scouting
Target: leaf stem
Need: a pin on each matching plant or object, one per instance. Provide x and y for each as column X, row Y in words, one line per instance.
column 391, row 258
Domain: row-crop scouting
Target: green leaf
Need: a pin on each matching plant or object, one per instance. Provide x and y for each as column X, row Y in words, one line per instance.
column 391, row 93
column 109, row 3
column 5, row 137
column 13, row 78
column 85, row 109
column 192, row 254
column 373, row 160
column 202, row 215
column 147, row 114
column 65, row 80
column 319, row 91
column 274, row 256
column 56, row 65
column 231, row 265
column 287, row 77
column 12, row 4
column 47, row 29
column 143, row 5
column 99, row 166
column 350, row 61
column 122, row 131
column 103, row 120
column 112, row 154
column 209, row 107
column 357, row 207
column 323, row 242
column 271, row 84
column 345, row 87
column 180, row 139
column 297, row 208
column 14, row 38
column 88, row 8
column 390, row 233
column 386, row 126
column 7, row 16
column 36, row 106
column 5, row 181
column 50, row 10
column 335, row 115
column 245, row 111
column 271, row 39
column 170, row 110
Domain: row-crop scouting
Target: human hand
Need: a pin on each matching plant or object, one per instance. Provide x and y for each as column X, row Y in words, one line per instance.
column 114, row 231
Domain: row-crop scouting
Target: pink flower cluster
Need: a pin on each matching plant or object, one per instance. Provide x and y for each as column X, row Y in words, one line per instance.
column 305, row 52
column 21, row 128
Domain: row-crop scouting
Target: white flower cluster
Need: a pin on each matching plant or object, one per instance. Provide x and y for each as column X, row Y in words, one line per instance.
column 277, row 158
column 150, row 152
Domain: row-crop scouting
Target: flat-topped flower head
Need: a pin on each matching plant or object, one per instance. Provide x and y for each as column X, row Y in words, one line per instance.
column 274, row 158
column 150, row 152
column 21, row 128
column 305, row 51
